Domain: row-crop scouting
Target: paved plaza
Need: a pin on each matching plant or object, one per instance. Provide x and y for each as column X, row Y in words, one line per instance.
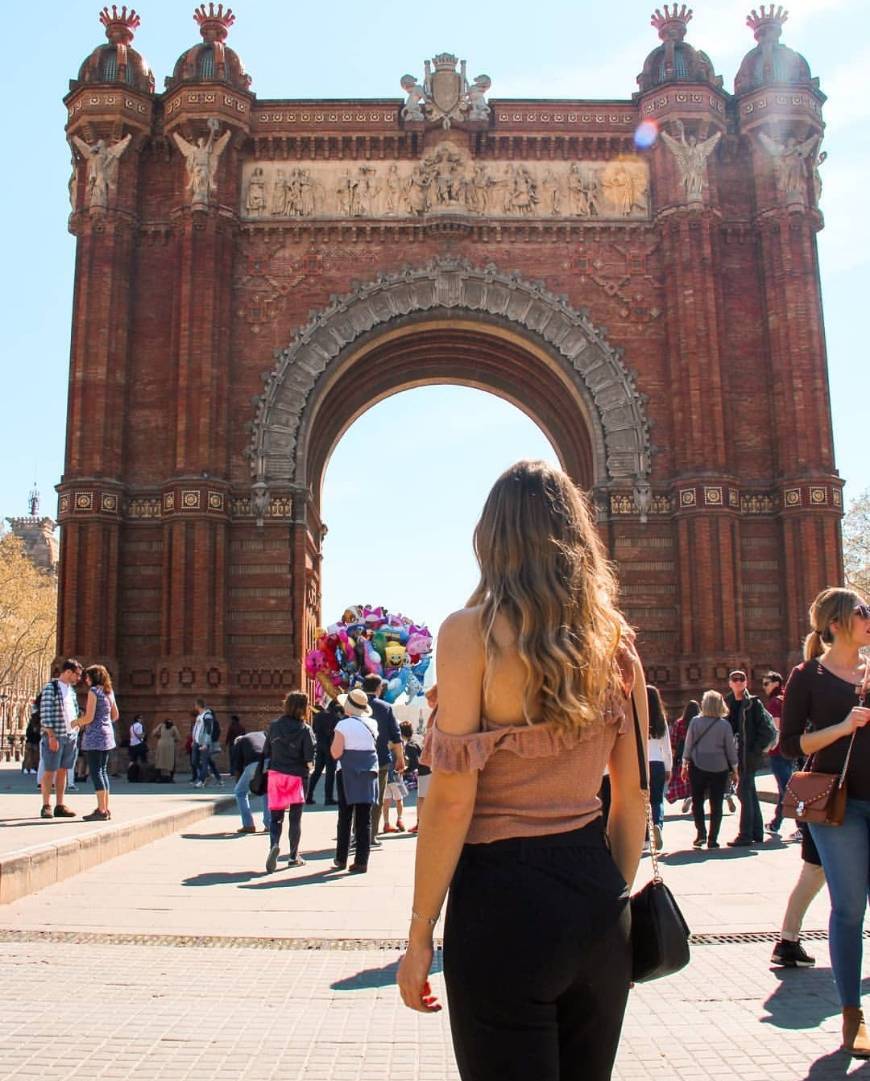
column 183, row 959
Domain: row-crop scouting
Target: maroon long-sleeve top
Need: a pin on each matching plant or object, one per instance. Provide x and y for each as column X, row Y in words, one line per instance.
column 815, row 699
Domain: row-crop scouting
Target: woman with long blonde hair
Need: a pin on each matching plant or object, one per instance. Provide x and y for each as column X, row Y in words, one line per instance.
column 825, row 706
column 535, row 680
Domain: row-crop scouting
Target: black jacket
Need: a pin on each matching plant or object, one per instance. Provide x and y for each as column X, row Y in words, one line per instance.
column 750, row 731
column 245, row 750
column 289, row 746
column 324, row 724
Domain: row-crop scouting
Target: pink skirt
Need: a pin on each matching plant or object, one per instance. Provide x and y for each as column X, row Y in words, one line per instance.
column 284, row 790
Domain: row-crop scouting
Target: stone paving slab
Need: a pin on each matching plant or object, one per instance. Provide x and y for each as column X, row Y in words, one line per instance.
column 327, row 1015
column 163, row 887
column 35, row 852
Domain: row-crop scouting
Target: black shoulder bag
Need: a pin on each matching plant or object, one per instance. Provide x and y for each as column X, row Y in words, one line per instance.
column 659, row 934
column 260, row 778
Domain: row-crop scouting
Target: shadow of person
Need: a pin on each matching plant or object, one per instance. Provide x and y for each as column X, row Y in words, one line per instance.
column 804, row 999
column 219, row 878
column 288, row 878
column 691, row 856
column 834, row 1066
column 385, row 976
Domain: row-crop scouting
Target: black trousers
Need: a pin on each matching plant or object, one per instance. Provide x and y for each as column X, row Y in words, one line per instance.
column 359, row 815
column 537, row 959
column 322, row 760
column 707, row 785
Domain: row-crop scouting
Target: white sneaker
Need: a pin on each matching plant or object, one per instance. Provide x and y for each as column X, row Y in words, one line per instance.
column 71, row 788
column 197, row 784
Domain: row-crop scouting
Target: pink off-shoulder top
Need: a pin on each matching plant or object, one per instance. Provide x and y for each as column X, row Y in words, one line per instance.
column 534, row 779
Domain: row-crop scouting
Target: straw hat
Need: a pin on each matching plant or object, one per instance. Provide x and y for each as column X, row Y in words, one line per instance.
column 355, row 703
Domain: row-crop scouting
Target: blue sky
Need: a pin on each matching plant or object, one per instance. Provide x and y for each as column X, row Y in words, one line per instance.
column 434, row 488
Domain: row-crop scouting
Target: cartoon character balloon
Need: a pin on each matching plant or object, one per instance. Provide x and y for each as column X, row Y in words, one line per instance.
column 368, row 640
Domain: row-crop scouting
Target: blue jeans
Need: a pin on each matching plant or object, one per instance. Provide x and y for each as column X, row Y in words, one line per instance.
column 657, row 792
column 98, row 767
column 782, row 769
column 242, row 792
column 845, row 855
column 206, row 763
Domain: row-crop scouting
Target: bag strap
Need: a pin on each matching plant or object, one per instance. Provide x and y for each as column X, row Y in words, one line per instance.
column 644, row 787
column 706, row 732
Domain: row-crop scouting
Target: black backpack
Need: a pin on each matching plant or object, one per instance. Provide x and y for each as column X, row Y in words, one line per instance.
column 215, row 728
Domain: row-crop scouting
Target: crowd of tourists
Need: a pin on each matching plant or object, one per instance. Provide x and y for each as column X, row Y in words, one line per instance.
column 533, row 772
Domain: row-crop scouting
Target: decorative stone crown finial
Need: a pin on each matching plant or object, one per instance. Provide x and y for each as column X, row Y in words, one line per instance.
column 766, row 23
column 445, row 62
column 214, row 23
column 120, row 25
column 673, row 24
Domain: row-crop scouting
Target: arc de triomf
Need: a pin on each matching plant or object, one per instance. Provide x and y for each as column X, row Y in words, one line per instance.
column 253, row 274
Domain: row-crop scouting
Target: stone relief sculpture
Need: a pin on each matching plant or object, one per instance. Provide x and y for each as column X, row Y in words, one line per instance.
column 691, row 157
column 201, row 159
column 790, row 161
column 102, row 164
column 255, row 201
column 446, row 181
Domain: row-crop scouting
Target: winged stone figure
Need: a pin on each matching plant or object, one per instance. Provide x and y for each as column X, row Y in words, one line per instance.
column 790, row 159
column 102, row 162
column 691, row 157
column 202, row 159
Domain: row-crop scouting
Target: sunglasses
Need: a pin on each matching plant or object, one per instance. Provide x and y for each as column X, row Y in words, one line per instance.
column 862, row 611
column 737, row 679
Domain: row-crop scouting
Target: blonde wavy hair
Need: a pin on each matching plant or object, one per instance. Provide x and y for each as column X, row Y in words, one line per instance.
column 543, row 567
column 836, row 605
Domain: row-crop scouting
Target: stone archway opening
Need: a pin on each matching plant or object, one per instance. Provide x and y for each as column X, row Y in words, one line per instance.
column 403, row 490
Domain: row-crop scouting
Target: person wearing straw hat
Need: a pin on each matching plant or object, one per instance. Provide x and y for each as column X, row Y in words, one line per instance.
column 354, row 748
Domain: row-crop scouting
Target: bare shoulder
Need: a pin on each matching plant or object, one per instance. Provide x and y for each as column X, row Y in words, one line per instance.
column 460, row 658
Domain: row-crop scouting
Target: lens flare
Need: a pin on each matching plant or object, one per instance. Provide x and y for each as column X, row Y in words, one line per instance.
column 646, row 134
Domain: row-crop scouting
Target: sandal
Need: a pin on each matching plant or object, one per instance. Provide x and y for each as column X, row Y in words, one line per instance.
column 400, row 826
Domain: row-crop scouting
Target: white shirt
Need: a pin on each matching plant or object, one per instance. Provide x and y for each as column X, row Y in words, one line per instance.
column 359, row 733
column 70, row 702
column 660, row 751
column 137, row 733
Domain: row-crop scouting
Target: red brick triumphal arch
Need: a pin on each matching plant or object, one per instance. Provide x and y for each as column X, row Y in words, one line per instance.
column 254, row 274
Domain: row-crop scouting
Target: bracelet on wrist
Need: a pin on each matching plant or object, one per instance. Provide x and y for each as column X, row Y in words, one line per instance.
column 429, row 920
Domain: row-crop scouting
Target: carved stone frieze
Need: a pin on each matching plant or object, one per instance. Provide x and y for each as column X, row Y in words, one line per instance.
column 447, row 180
column 616, row 408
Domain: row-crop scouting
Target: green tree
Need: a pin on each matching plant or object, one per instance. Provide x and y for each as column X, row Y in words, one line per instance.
column 856, row 543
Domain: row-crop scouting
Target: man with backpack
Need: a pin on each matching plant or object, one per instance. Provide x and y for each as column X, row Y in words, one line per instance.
column 206, row 737
column 755, row 733
column 58, row 711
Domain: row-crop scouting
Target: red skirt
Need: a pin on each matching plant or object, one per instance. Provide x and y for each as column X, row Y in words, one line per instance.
column 284, row 790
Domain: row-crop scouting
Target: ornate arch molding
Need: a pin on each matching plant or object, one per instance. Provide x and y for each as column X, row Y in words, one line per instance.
column 621, row 442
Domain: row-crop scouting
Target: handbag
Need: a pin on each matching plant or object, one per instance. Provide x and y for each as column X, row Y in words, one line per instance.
column 817, row 797
column 659, row 933
column 259, row 780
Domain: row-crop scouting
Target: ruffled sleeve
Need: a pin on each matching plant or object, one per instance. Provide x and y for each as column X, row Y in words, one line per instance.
column 461, row 754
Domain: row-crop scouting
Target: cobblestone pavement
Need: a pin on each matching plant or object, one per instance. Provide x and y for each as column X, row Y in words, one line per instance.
column 153, row 1012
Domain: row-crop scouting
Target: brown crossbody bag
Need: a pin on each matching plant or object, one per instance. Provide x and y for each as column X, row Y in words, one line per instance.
column 820, row 797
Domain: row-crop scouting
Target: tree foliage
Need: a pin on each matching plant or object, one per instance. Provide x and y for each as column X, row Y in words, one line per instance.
column 28, row 617
column 856, row 544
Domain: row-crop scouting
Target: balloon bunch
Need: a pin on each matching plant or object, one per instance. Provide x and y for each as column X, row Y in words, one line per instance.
column 371, row 641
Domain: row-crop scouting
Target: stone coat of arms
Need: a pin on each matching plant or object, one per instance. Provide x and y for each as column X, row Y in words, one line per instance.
column 445, row 95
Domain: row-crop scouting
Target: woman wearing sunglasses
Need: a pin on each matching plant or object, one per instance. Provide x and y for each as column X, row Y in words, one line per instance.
column 824, row 705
